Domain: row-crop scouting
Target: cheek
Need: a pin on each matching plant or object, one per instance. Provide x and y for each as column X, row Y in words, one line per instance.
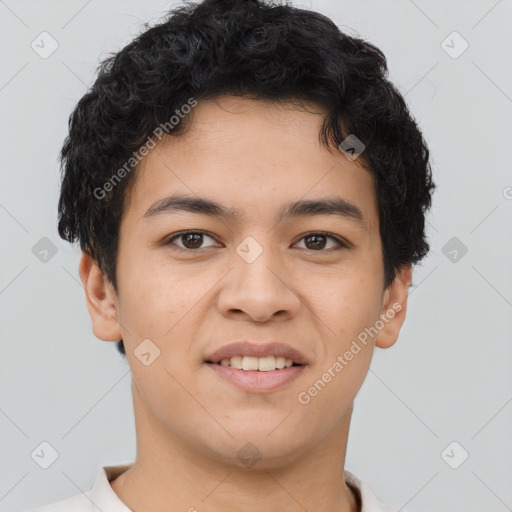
column 349, row 309
column 345, row 304
column 165, row 303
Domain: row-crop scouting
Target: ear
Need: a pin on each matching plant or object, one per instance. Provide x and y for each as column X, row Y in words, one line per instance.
column 394, row 307
column 101, row 300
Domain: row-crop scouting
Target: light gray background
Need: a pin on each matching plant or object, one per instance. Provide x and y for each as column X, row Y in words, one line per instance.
column 447, row 379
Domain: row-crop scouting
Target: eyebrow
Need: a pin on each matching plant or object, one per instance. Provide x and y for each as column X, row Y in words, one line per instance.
column 322, row 206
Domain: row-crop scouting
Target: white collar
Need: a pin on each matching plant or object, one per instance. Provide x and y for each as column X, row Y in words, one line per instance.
column 102, row 494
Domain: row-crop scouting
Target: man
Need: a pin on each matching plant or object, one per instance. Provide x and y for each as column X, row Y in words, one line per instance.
column 249, row 192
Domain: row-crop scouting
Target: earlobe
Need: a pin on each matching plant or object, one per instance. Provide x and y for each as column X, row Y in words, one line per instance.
column 101, row 300
column 394, row 307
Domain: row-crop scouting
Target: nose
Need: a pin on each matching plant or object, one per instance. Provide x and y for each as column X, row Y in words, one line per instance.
column 259, row 290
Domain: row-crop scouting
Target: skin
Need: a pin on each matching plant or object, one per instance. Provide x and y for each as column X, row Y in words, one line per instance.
column 253, row 156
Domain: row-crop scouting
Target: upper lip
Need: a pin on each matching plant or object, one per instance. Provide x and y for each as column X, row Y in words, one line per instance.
column 246, row 348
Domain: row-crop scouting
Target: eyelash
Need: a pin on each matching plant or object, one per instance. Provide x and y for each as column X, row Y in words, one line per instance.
column 341, row 243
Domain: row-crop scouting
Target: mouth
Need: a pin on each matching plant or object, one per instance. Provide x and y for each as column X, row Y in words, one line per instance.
column 257, row 356
column 260, row 364
column 257, row 381
column 257, row 368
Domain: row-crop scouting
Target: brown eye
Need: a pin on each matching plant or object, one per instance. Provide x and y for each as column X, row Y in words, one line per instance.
column 190, row 239
column 318, row 241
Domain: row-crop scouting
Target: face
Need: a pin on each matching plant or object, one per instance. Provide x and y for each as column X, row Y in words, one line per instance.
column 258, row 270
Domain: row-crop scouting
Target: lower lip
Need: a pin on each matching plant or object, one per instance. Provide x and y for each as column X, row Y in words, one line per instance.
column 254, row 381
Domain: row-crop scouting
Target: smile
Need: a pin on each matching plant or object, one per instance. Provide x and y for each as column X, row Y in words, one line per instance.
column 262, row 364
column 254, row 380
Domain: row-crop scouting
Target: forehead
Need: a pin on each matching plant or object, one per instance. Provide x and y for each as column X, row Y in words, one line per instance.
column 247, row 154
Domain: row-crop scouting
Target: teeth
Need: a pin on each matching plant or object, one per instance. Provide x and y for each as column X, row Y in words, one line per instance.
column 281, row 362
column 263, row 364
column 250, row 363
column 266, row 364
column 236, row 362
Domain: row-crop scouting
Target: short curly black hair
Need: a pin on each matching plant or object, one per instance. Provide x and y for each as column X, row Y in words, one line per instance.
column 263, row 49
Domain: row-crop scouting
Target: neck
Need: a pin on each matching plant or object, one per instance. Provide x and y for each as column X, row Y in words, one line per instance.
column 172, row 474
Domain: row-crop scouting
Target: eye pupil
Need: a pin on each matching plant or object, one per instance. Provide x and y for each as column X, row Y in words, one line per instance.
column 313, row 241
column 197, row 240
column 316, row 244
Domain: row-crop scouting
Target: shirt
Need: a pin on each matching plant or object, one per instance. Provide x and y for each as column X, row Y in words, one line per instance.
column 102, row 497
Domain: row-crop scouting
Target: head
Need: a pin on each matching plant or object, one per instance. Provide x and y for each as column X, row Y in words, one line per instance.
column 227, row 119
